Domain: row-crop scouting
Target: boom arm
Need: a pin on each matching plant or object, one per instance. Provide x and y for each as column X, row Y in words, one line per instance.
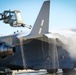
column 13, row 18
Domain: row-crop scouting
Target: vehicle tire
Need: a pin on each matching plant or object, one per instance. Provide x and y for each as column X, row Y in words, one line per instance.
column 49, row 71
column 67, row 70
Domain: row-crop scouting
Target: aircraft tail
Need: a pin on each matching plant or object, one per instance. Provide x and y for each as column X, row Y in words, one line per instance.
column 41, row 25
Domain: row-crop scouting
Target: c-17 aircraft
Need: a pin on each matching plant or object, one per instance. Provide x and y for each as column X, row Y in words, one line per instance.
column 40, row 49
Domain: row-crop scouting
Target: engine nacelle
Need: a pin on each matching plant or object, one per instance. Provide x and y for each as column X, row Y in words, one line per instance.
column 6, row 49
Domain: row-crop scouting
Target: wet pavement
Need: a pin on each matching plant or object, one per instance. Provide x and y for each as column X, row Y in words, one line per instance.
column 44, row 73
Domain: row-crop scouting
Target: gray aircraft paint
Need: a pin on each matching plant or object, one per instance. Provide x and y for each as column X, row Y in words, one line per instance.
column 42, row 21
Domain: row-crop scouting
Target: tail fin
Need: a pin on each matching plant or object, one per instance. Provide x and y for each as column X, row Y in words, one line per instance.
column 42, row 22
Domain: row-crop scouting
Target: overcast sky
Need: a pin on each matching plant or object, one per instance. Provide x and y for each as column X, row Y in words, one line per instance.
column 62, row 13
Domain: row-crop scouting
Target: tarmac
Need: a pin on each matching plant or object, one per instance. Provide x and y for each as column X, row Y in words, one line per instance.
column 41, row 72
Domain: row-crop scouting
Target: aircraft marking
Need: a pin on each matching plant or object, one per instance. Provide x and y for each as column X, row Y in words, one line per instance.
column 40, row 30
column 42, row 22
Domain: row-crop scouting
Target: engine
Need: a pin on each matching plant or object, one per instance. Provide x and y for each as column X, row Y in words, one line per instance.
column 6, row 49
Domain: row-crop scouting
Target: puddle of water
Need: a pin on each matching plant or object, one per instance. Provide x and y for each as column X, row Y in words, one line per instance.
column 44, row 73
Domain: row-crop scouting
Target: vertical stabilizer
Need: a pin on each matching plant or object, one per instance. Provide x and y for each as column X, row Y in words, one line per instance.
column 42, row 22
